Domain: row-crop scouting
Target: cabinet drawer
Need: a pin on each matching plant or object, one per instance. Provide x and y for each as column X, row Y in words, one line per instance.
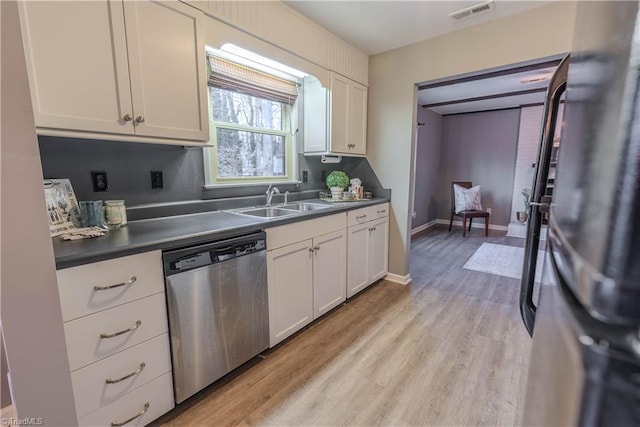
column 284, row 235
column 85, row 344
column 369, row 213
column 157, row 394
column 90, row 386
column 76, row 285
column 379, row 211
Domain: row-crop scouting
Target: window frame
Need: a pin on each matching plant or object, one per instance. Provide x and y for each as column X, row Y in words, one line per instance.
column 291, row 124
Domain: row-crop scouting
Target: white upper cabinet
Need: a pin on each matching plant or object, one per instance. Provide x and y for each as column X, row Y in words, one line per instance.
column 357, row 118
column 110, row 68
column 335, row 120
column 348, row 116
column 167, row 64
column 339, row 106
column 77, row 64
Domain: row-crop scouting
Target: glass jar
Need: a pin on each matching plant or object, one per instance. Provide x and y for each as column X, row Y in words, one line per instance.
column 116, row 213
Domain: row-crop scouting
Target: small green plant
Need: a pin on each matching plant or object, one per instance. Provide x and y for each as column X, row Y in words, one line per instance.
column 526, row 193
column 337, row 179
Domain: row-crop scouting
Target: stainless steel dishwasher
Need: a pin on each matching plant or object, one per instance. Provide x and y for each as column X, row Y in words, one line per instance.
column 217, row 307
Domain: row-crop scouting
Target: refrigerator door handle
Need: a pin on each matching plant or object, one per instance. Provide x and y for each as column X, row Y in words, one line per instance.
column 557, row 86
column 544, row 205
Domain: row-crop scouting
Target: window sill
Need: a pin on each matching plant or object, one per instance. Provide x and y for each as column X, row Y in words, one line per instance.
column 250, row 184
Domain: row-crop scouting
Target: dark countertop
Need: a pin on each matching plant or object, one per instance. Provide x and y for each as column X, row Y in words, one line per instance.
column 179, row 231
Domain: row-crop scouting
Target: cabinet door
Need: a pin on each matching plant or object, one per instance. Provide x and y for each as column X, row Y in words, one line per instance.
column 329, row 272
column 77, row 65
column 315, row 116
column 357, row 118
column 339, row 112
column 290, row 271
column 357, row 259
column 378, row 249
column 167, row 65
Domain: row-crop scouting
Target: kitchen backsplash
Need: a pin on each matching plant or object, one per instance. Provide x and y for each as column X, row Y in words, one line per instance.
column 129, row 165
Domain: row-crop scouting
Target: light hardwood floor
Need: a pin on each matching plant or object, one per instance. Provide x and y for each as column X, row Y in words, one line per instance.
column 449, row 349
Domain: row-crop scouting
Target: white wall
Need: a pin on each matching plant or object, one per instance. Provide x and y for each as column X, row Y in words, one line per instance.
column 280, row 25
column 541, row 32
column 528, row 140
column 30, row 310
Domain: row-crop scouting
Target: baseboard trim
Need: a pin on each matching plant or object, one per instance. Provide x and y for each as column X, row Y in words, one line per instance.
column 396, row 278
column 477, row 224
column 423, row 227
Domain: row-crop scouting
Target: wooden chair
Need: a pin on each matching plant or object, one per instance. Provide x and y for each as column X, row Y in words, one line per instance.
column 467, row 214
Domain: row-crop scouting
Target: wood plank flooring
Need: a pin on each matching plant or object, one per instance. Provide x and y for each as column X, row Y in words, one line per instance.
column 447, row 350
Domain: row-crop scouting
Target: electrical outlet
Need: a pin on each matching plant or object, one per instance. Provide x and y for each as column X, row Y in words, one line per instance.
column 156, row 179
column 99, row 181
column 305, row 176
column 489, row 210
column 323, row 176
column 414, row 214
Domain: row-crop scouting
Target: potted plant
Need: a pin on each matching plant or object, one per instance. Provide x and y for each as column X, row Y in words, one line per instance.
column 337, row 181
column 522, row 217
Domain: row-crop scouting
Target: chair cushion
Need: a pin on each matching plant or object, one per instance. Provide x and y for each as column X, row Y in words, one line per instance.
column 467, row 199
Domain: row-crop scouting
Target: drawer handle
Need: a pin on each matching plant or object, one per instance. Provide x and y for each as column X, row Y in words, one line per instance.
column 115, row 334
column 138, row 415
column 382, row 211
column 136, row 372
column 361, row 216
column 105, row 288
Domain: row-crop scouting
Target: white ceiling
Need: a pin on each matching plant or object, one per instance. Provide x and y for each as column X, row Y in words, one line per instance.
column 452, row 94
column 375, row 26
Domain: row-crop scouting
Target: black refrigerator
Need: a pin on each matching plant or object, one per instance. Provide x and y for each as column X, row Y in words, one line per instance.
column 585, row 316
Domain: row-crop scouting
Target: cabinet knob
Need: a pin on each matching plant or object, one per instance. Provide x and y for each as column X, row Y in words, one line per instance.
column 127, row 117
column 140, row 119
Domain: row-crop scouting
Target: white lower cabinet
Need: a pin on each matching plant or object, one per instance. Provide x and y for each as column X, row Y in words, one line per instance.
column 367, row 247
column 306, row 263
column 379, row 249
column 117, row 341
column 102, row 334
column 357, row 268
column 112, row 378
column 137, row 408
column 290, row 289
column 329, row 267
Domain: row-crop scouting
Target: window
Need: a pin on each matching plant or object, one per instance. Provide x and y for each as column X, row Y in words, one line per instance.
column 251, row 112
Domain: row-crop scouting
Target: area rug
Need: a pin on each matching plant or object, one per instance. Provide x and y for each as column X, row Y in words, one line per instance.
column 501, row 260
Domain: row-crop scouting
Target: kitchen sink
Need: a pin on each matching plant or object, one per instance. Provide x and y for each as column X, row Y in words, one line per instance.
column 305, row 207
column 268, row 212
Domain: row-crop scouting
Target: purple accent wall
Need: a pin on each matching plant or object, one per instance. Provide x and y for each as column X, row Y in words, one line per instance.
column 427, row 167
column 480, row 147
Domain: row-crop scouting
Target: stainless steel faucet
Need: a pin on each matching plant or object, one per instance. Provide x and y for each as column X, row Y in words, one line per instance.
column 270, row 193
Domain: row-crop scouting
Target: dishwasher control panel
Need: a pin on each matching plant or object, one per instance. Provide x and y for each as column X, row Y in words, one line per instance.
column 181, row 260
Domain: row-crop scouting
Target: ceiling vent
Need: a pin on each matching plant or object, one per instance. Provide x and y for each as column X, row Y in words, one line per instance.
column 472, row 11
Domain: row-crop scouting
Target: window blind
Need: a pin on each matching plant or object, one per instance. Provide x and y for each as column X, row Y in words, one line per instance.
column 226, row 74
